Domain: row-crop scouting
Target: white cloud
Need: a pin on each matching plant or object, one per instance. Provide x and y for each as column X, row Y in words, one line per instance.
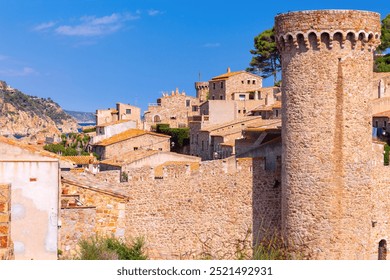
column 25, row 71
column 212, row 45
column 154, row 12
column 96, row 26
column 44, row 26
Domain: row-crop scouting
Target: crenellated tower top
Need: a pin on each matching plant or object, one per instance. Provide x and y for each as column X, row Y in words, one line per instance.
column 323, row 28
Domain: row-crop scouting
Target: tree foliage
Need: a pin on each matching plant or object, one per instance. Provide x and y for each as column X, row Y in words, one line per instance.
column 382, row 63
column 385, row 36
column 266, row 57
column 179, row 136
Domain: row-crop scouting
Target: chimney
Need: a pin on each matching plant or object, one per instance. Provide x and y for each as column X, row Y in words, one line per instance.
column 228, row 69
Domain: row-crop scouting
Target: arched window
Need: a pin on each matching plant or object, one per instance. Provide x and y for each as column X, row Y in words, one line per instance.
column 157, row 119
column 382, row 250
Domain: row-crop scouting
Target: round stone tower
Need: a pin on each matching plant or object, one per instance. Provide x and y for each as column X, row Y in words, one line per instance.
column 202, row 90
column 327, row 62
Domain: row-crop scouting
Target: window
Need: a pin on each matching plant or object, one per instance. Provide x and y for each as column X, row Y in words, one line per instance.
column 276, row 113
column 221, row 97
column 382, row 250
column 384, row 124
column 254, row 82
column 188, row 102
column 213, row 85
column 221, row 84
column 157, row 119
column 244, row 111
column 135, row 148
column 376, row 123
column 249, row 82
column 128, row 111
column 242, row 82
column 195, row 108
column 241, row 97
column 202, row 145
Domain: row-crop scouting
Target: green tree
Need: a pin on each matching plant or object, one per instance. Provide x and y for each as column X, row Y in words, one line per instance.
column 382, row 63
column 266, row 57
column 385, row 36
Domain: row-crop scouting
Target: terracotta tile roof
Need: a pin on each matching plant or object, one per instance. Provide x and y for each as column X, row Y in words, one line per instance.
column 227, row 75
column 112, row 123
column 129, row 157
column 31, row 148
column 385, row 114
column 128, row 134
column 80, row 159
column 277, row 105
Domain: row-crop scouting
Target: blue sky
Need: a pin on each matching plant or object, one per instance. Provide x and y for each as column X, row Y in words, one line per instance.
column 90, row 54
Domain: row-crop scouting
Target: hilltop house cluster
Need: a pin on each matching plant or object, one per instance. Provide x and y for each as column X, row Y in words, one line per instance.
column 303, row 161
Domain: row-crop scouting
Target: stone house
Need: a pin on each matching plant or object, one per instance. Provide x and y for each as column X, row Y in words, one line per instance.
column 141, row 158
column 121, row 112
column 273, row 111
column 240, row 85
column 173, row 109
column 34, row 178
column 87, row 163
column 131, row 140
column 261, row 142
column 217, row 141
column 89, row 207
column 107, row 130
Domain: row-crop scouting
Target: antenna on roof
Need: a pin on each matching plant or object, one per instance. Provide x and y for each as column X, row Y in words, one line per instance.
column 199, row 76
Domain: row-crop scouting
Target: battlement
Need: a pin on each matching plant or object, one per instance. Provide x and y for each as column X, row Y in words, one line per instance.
column 326, row 28
column 201, row 85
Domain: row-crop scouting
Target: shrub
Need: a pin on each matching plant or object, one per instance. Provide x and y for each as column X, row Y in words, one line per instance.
column 110, row 248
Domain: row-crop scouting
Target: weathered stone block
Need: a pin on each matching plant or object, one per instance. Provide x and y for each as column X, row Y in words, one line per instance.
column 4, row 230
column 4, row 218
column 3, row 241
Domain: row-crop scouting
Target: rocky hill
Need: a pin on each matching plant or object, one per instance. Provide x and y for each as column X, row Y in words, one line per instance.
column 82, row 117
column 25, row 115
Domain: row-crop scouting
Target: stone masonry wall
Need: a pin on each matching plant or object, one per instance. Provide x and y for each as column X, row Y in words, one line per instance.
column 102, row 214
column 172, row 110
column 6, row 245
column 213, row 212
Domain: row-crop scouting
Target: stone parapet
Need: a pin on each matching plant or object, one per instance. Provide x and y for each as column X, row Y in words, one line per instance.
column 316, row 29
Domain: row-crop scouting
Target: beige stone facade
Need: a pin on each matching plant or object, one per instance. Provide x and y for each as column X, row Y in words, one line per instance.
column 327, row 59
column 218, row 141
column 121, row 112
column 34, row 178
column 173, row 109
column 130, row 140
column 238, row 85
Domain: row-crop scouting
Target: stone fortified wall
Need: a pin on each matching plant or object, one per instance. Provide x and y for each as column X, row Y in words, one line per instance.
column 6, row 245
column 327, row 59
column 217, row 209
